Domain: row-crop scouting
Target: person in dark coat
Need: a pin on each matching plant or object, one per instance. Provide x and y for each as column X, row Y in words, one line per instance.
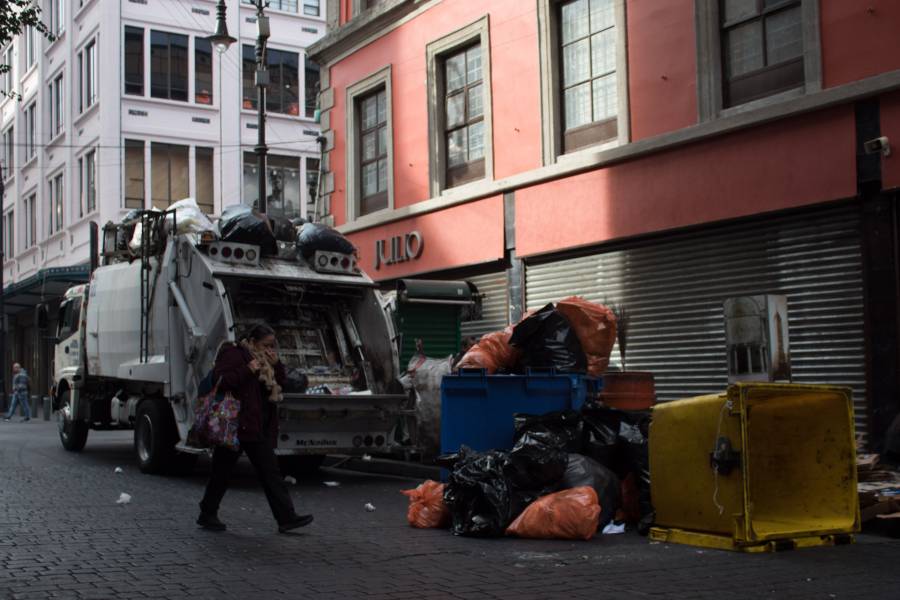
column 242, row 370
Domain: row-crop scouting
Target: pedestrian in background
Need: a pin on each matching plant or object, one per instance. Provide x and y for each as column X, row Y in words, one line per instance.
column 21, row 385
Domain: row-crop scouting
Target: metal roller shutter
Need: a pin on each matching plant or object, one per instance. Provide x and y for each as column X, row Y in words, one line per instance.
column 673, row 290
column 495, row 305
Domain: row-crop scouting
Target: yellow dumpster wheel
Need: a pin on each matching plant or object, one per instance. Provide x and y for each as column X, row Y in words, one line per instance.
column 722, row 542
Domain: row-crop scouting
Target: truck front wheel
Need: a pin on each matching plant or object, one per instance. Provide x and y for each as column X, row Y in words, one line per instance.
column 154, row 442
column 73, row 432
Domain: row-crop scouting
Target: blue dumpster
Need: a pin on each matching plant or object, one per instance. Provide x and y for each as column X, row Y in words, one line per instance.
column 477, row 409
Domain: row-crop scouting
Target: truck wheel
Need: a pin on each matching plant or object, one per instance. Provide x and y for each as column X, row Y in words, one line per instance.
column 154, row 442
column 73, row 432
column 300, row 466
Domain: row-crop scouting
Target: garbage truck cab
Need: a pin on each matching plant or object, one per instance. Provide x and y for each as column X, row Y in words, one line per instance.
column 135, row 342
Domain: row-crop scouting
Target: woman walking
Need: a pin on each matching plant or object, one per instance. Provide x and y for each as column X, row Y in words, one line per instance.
column 252, row 372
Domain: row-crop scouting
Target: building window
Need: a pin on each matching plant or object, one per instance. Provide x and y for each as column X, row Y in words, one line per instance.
column 90, row 181
column 56, row 105
column 373, row 158
column 755, row 53
column 57, row 17
column 282, row 184
column 30, row 224
column 168, row 65
column 311, row 87
column 459, row 102
column 30, row 132
column 9, row 153
column 311, row 8
column 55, row 205
column 369, row 145
column 762, row 48
column 284, row 80
column 134, row 174
column 8, row 79
column 203, row 75
column 589, row 81
column 30, row 46
column 169, row 172
column 9, row 232
column 87, row 82
column 312, row 187
column 204, row 175
column 134, row 61
column 285, row 5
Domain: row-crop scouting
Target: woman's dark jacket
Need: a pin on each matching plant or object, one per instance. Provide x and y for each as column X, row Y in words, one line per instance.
column 257, row 413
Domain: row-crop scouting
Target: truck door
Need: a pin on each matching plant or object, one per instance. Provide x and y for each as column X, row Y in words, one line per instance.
column 68, row 346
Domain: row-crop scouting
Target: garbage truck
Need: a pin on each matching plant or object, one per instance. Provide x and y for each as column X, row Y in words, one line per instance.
column 134, row 343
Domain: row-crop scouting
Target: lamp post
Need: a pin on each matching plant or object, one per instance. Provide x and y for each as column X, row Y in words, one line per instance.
column 221, row 40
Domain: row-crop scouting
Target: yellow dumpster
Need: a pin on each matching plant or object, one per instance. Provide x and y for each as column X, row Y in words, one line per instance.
column 761, row 467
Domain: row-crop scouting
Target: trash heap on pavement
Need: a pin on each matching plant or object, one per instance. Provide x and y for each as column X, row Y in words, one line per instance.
column 569, row 473
column 879, row 493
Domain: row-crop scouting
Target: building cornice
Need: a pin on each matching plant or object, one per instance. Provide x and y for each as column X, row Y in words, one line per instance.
column 361, row 29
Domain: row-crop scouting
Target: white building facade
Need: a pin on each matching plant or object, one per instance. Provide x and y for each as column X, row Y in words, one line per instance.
column 130, row 107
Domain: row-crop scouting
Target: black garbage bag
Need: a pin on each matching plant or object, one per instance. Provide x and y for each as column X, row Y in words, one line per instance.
column 548, row 341
column 243, row 225
column 315, row 236
column 567, row 426
column 537, row 461
column 283, row 229
column 479, row 495
column 296, row 382
column 582, row 470
column 618, row 440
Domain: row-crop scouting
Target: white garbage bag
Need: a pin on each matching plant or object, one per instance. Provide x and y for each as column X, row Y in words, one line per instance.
column 425, row 375
column 188, row 219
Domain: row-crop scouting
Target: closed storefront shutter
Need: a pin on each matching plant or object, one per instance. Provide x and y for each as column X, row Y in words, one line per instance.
column 495, row 305
column 673, row 290
column 436, row 325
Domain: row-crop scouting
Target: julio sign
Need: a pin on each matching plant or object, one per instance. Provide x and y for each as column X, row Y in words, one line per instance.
column 399, row 249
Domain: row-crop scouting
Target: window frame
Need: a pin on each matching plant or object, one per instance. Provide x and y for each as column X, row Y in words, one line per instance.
column 552, row 109
column 88, row 168
column 309, row 4
column 355, row 92
column 169, row 147
column 435, row 52
column 273, row 162
column 132, row 29
column 57, row 17
column 30, row 118
column 710, row 71
column 269, row 96
column 88, row 80
column 9, row 80
column 29, row 224
column 9, row 239
column 56, row 213
column 56, row 102
column 196, row 72
column 127, row 200
column 9, row 152
column 169, row 73
column 198, row 150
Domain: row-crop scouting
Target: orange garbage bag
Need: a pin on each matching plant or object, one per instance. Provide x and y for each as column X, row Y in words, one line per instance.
column 567, row 515
column 426, row 506
column 492, row 353
column 595, row 326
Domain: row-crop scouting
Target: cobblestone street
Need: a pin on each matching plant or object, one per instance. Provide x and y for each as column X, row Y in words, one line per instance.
column 62, row 535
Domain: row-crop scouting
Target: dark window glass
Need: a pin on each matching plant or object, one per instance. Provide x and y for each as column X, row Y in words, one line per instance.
column 590, row 101
column 90, row 177
column 204, row 174
column 312, row 186
column 168, row 65
column 312, row 87
column 134, row 174
column 463, row 116
column 762, row 48
column 203, row 75
column 373, row 159
column 311, row 8
column 134, row 61
column 282, row 95
column 169, row 170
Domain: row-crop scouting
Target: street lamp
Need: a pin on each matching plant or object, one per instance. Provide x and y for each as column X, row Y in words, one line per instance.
column 221, row 40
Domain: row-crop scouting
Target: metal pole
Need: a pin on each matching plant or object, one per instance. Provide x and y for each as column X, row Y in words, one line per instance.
column 2, row 294
column 262, row 82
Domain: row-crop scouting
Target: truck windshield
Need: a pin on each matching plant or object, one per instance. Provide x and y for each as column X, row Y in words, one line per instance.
column 69, row 317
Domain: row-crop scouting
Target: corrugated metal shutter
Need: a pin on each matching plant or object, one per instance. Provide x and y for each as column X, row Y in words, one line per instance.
column 437, row 326
column 495, row 305
column 673, row 290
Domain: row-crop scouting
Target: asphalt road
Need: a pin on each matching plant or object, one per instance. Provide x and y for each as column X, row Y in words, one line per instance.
column 62, row 535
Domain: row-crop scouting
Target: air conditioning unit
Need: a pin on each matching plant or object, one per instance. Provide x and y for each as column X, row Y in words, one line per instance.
column 756, row 337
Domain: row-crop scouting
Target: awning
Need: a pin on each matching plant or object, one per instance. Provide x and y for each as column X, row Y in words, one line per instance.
column 428, row 291
column 44, row 285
